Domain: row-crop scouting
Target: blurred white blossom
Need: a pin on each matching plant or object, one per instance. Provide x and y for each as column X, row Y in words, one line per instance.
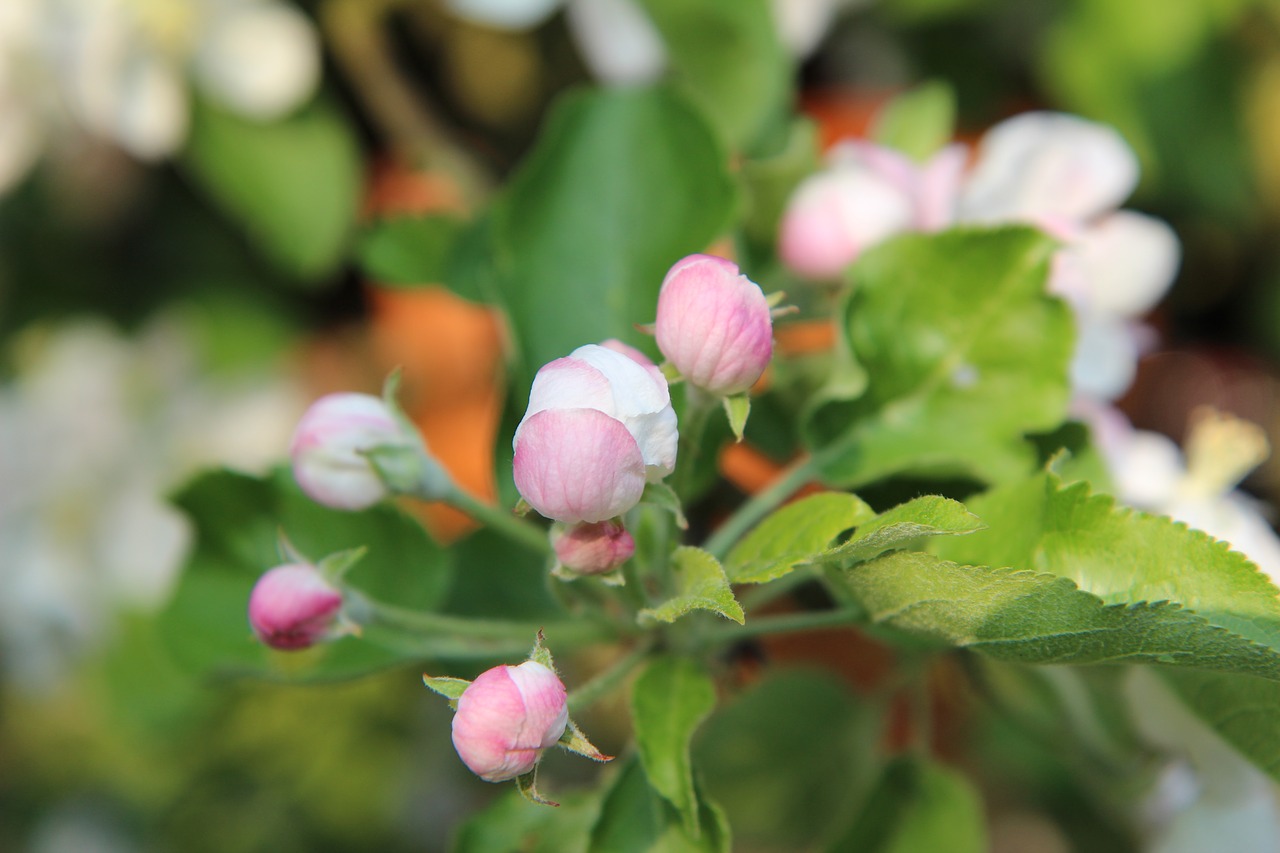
column 620, row 44
column 97, row 428
column 1198, row 486
column 121, row 70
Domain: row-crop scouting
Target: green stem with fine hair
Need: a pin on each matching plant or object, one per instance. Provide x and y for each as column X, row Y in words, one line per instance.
column 501, row 521
column 747, row 515
column 784, row 624
column 611, row 679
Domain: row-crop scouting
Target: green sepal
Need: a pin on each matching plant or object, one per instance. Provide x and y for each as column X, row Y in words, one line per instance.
column 737, row 408
column 664, row 497
column 450, row 688
column 522, row 508
column 541, row 654
column 573, row 740
column 527, row 785
column 333, row 567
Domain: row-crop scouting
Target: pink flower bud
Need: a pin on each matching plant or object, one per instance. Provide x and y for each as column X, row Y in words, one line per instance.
column 714, row 325
column 294, row 607
column 593, row 549
column 833, row 216
column 507, row 717
column 328, row 445
column 598, row 427
column 578, row 465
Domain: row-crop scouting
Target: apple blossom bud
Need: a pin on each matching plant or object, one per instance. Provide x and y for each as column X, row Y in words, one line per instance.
column 507, row 717
column 598, row 427
column 593, row 549
column 834, row 215
column 330, row 447
column 714, row 325
column 294, row 607
column 577, row 465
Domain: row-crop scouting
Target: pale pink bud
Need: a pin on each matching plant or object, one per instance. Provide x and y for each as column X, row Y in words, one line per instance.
column 507, row 717
column 593, row 549
column 598, row 427
column 329, row 446
column 833, row 216
column 294, row 607
column 577, row 465
column 1040, row 165
column 714, row 325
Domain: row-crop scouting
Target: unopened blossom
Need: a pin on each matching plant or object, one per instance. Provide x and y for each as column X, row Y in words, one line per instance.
column 598, row 427
column 330, row 449
column 867, row 194
column 714, row 325
column 507, row 717
column 293, row 607
column 592, row 549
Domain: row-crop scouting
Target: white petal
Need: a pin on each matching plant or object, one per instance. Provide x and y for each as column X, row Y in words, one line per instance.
column 505, row 14
column 1128, row 261
column 617, row 40
column 261, row 60
column 643, row 404
column 803, row 23
column 1106, row 357
column 1147, row 470
column 1043, row 165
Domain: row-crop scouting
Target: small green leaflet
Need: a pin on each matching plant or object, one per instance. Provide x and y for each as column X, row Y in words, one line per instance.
column 793, row 535
column 701, row 584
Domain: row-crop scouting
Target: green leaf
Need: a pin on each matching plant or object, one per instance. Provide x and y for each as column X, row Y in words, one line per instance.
column 918, row 122
column 727, row 56
column 1035, row 618
column 513, row 823
column 634, row 818
column 293, row 185
column 784, row 785
column 901, row 526
column 794, row 534
column 701, row 584
column 1119, row 554
column 408, row 250
column 737, row 409
column 919, row 806
column 237, row 520
column 622, row 184
column 964, row 354
column 1245, row 711
column 668, row 702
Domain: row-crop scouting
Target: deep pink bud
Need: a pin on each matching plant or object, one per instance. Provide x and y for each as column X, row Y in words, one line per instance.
column 578, row 465
column 507, row 717
column 714, row 325
column 294, row 607
column 327, row 449
column 593, row 549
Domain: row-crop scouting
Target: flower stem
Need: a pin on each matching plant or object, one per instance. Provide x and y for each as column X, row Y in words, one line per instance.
column 785, row 624
column 462, row 638
column 759, row 506
column 516, row 529
column 606, row 682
